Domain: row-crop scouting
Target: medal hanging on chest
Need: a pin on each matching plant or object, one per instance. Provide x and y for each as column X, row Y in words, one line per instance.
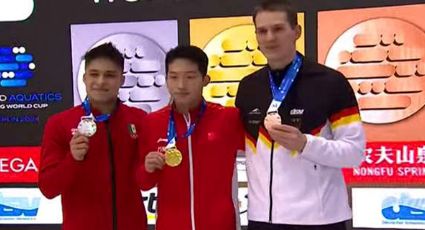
column 173, row 156
column 87, row 125
column 279, row 93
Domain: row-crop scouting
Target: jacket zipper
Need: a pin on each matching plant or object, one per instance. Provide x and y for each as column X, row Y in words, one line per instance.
column 112, row 167
column 191, row 182
column 271, row 184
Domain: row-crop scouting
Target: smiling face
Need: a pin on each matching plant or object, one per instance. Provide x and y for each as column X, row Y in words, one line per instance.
column 185, row 83
column 103, row 79
column 276, row 37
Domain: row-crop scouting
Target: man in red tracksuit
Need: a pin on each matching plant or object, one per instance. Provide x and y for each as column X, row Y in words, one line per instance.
column 89, row 152
column 190, row 150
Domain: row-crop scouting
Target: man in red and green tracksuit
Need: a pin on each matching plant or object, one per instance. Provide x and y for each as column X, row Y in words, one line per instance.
column 92, row 164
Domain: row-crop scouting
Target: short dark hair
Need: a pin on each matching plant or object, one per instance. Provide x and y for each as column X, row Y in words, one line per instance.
column 284, row 6
column 191, row 53
column 106, row 50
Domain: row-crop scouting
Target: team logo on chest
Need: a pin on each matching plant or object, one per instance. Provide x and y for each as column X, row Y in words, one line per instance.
column 132, row 131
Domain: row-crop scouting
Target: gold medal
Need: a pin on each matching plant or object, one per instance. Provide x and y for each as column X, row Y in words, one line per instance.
column 173, row 157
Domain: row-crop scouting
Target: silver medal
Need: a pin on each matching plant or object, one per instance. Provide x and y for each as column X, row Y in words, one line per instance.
column 87, row 126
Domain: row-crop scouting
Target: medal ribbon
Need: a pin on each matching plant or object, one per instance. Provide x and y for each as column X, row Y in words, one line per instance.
column 279, row 93
column 87, row 111
column 172, row 133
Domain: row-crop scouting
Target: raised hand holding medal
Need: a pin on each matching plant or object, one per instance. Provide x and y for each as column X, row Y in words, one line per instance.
column 87, row 125
column 173, row 156
column 288, row 136
column 279, row 93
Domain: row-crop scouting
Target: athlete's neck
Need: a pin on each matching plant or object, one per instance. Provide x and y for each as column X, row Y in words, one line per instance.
column 104, row 108
column 282, row 62
column 185, row 108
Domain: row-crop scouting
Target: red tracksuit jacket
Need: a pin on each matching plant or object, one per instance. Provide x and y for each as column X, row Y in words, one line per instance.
column 200, row 188
column 101, row 191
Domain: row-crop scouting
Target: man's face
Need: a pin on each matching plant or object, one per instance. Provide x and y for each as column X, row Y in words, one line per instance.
column 103, row 79
column 185, row 82
column 276, row 38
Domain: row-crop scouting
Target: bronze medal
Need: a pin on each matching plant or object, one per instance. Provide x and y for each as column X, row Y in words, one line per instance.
column 271, row 119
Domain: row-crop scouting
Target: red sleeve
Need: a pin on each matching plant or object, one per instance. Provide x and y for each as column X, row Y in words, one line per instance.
column 58, row 170
column 145, row 180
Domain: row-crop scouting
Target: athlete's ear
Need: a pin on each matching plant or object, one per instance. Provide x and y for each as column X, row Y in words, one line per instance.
column 206, row 80
column 298, row 31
